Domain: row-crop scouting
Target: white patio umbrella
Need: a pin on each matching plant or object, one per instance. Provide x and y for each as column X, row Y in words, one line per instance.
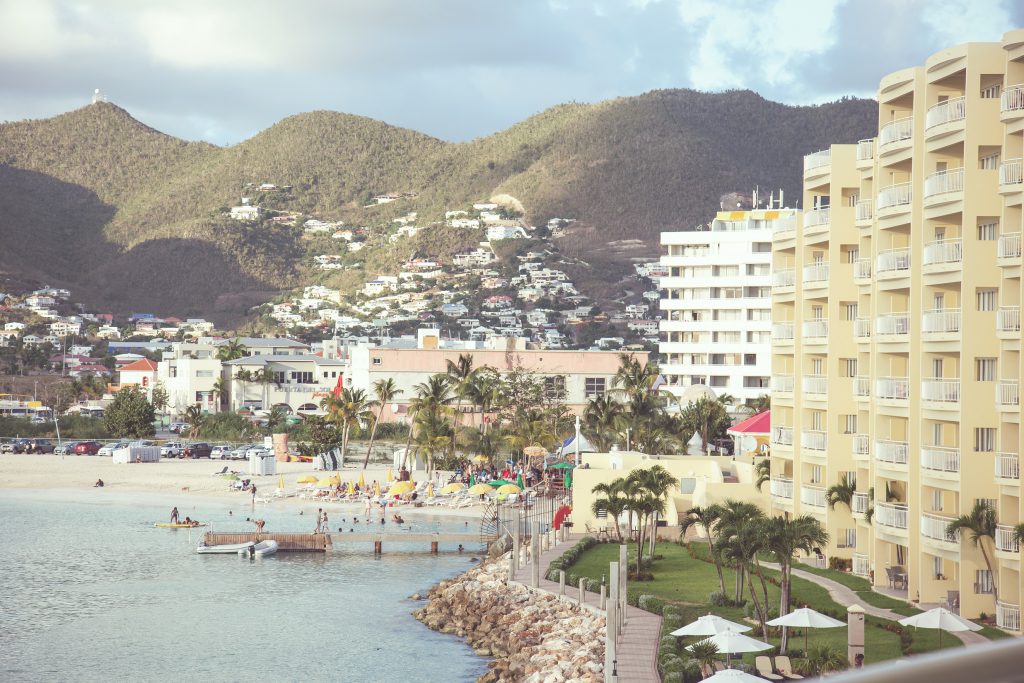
column 806, row 618
column 733, row 676
column 942, row 619
column 709, row 625
column 730, row 642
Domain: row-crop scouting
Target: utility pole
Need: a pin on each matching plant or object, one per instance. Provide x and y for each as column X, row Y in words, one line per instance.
column 577, row 440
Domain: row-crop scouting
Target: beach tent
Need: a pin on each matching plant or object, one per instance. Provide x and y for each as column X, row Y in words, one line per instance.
column 415, row 461
column 132, row 454
column 568, row 446
column 751, row 435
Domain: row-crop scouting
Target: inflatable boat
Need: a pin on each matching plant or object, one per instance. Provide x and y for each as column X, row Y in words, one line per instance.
column 227, row 548
column 261, row 549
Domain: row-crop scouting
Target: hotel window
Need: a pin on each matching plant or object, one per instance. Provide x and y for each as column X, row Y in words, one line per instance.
column 936, row 501
column 848, row 423
column 848, row 367
column 850, row 477
column 988, row 502
column 986, row 299
column 988, row 231
column 554, row 387
column 985, row 369
column 989, row 162
column 846, row 538
column 936, row 566
column 990, row 92
column 983, row 581
column 849, row 311
column 376, row 361
column 984, row 439
column 279, row 377
column 594, row 387
column 204, row 373
column 816, row 474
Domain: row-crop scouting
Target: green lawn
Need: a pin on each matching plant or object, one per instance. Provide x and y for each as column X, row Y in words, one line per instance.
column 862, row 587
column 682, row 580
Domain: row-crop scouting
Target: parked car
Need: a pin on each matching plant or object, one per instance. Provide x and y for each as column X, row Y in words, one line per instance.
column 221, row 452
column 171, row 449
column 239, row 453
column 67, row 448
column 257, row 449
column 177, row 427
column 109, row 449
column 87, row 447
column 7, row 447
column 34, row 446
column 14, row 446
column 197, row 450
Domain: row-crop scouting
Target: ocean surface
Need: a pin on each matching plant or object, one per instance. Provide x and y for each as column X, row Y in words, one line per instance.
column 89, row 591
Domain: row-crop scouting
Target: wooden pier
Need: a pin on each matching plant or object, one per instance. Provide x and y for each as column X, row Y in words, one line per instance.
column 426, row 538
column 318, row 543
column 286, row 542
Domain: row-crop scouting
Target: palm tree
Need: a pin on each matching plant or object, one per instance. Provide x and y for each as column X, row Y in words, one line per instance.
column 785, row 538
column 243, row 377
column 658, row 482
column 981, row 523
column 644, row 505
column 822, row 659
column 434, row 434
column 231, row 350
column 347, row 409
column 763, row 472
column 461, row 373
column 219, row 391
column 430, row 403
column 742, row 548
column 841, row 493
column 484, row 391
column 601, row 420
column 733, row 518
column 1018, row 534
column 613, row 502
column 706, row 417
column 761, row 404
column 194, row 418
column 532, row 430
column 265, row 377
column 704, row 653
column 385, row 391
column 706, row 518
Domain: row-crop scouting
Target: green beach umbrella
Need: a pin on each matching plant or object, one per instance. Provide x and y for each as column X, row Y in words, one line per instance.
column 568, row 479
column 472, row 479
column 563, row 466
column 496, row 483
column 519, row 481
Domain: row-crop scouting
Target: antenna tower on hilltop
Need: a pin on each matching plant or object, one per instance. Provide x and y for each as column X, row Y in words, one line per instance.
column 97, row 96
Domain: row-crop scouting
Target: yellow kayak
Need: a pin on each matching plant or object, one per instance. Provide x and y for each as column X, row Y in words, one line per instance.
column 178, row 526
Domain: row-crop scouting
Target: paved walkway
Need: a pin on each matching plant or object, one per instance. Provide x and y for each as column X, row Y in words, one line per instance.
column 637, row 647
column 846, row 596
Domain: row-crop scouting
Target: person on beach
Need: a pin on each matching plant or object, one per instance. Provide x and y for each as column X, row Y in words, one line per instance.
column 323, row 523
column 397, row 519
column 174, row 515
column 259, row 525
column 253, row 489
column 367, row 507
column 319, row 519
column 98, row 484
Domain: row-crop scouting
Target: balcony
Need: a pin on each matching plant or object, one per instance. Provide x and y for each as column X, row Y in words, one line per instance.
column 815, row 384
column 782, row 384
column 893, row 261
column 1008, row 320
column 940, row 459
column 816, row 272
column 815, row 329
column 892, row 515
column 781, row 488
column 1006, row 539
column 814, row 440
column 782, row 332
column 862, row 271
column 943, row 251
column 817, row 160
column 898, row 195
column 782, row 436
column 866, row 150
column 862, row 387
column 816, row 218
column 892, row 452
column 813, row 496
column 862, row 328
column 940, row 390
column 896, row 131
column 1008, row 466
column 861, row 565
column 934, row 527
column 1010, row 175
column 893, row 325
column 893, row 388
column 784, row 224
column 1012, row 100
column 783, row 278
column 1008, row 616
column 1008, row 246
column 861, row 446
column 944, row 182
column 863, row 211
column 946, row 321
column 945, row 112
column 1007, row 394
column 860, row 504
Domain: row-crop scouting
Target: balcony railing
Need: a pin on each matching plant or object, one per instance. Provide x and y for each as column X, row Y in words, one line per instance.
column 814, row 440
column 815, row 384
column 784, row 278
column 815, row 217
column 890, row 324
column 782, row 383
column 892, row 452
column 934, row 527
column 894, row 131
column 862, row 328
column 860, row 504
column 893, row 388
column 782, row 331
column 1008, row 245
column 782, row 436
column 940, row 390
column 862, row 269
column 815, row 329
column 943, row 182
column 940, row 459
column 945, row 321
column 816, row 272
column 1008, row 616
column 813, row 496
column 1006, row 539
column 1012, row 99
column 1007, row 466
column 1008, row 319
column 893, row 260
column 943, row 251
column 862, row 386
column 1010, row 172
column 861, row 445
column 861, row 565
column 781, row 488
column 945, row 112
column 784, row 224
column 865, row 149
column 817, row 159
column 900, row 194
column 863, row 210
column 1008, row 393
column 893, row 515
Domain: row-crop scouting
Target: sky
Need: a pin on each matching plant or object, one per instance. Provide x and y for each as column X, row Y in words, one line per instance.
column 222, row 70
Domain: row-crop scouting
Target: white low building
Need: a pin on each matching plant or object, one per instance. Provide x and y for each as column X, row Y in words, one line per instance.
column 299, row 382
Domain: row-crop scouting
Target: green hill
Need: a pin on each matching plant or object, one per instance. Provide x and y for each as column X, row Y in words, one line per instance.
column 130, row 218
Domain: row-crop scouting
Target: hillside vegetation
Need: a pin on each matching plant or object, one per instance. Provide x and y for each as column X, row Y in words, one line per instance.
column 132, row 218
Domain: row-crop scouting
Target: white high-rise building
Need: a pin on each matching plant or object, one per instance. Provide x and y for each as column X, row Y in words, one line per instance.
column 717, row 304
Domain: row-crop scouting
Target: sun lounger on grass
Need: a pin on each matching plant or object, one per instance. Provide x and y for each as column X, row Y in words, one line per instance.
column 785, row 667
column 764, row 669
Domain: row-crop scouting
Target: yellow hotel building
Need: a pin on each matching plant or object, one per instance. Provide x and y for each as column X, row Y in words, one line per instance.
column 896, row 347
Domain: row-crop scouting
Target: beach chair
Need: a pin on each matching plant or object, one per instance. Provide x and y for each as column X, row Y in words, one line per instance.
column 223, row 471
column 764, row 669
column 785, row 667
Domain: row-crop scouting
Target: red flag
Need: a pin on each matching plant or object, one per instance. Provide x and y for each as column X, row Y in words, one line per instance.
column 337, row 387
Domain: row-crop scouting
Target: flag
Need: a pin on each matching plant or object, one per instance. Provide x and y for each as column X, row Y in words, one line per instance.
column 337, row 387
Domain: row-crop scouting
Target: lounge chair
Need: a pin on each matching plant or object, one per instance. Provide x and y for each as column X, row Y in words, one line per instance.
column 785, row 667
column 223, row 471
column 764, row 669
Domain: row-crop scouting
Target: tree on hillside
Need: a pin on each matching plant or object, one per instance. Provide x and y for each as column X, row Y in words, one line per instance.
column 130, row 414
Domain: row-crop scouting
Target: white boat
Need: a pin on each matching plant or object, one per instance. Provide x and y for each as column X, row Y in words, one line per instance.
column 261, row 549
column 223, row 549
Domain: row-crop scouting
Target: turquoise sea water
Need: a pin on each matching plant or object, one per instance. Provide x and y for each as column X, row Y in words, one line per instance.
column 89, row 590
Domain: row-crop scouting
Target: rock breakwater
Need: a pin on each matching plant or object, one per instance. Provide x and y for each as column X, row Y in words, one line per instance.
column 533, row 636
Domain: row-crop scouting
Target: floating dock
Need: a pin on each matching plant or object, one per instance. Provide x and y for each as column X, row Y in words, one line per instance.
column 319, row 543
column 286, row 542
